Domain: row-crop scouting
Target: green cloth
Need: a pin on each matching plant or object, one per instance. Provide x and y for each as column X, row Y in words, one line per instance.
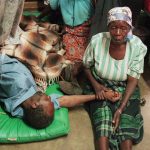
column 14, row 130
column 101, row 114
column 36, row 14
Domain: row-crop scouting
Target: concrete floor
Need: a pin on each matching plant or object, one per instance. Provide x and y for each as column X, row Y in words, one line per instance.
column 81, row 136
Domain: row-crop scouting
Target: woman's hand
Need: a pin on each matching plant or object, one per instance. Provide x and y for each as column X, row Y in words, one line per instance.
column 116, row 118
column 113, row 96
column 100, row 91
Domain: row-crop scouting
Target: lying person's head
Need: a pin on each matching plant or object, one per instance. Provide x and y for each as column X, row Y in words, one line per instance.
column 38, row 111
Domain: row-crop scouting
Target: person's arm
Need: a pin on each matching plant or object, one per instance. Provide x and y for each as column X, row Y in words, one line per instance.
column 74, row 100
column 92, row 80
column 99, row 88
column 131, row 85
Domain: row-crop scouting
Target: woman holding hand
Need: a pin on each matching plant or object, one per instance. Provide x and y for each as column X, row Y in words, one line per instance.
column 114, row 60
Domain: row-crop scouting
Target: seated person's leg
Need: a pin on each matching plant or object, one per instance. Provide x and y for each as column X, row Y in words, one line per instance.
column 103, row 143
column 126, row 145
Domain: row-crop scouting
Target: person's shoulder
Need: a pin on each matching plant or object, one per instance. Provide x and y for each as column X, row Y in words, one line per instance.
column 137, row 42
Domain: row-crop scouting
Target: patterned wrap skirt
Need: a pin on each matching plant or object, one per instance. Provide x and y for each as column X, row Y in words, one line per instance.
column 102, row 112
column 75, row 41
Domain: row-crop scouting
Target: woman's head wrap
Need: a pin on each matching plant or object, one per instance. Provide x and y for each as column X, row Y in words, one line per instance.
column 120, row 13
column 123, row 14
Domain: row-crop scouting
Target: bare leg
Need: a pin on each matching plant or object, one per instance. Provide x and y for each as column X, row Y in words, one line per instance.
column 103, row 143
column 126, row 145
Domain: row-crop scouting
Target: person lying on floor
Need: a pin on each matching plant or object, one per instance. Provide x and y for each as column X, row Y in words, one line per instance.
column 19, row 94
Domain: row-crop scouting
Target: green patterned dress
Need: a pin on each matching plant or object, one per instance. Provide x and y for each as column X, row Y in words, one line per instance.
column 113, row 74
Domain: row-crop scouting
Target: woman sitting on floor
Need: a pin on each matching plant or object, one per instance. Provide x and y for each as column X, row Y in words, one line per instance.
column 114, row 60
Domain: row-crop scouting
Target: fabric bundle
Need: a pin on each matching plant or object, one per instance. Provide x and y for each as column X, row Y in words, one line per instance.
column 42, row 53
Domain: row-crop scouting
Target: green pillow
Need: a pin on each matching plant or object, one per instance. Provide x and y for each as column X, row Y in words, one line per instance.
column 14, row 130
column 35, row 13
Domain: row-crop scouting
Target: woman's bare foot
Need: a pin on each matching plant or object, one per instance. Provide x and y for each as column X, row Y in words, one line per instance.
column 113, row 96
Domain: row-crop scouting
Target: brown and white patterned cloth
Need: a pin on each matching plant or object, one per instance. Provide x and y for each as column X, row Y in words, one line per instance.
column 42, row 53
